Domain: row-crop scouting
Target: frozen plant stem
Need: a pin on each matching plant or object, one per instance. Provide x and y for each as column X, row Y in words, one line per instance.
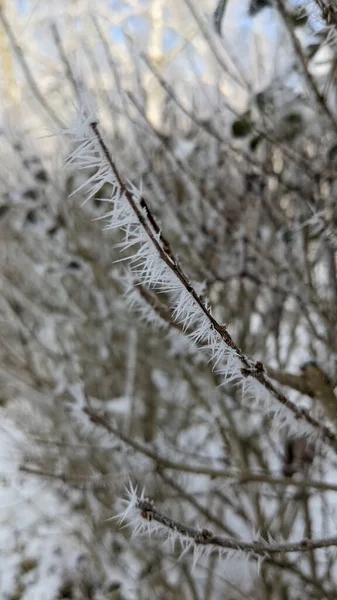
column 249, row 368
column 150, row 226
column 204, row 537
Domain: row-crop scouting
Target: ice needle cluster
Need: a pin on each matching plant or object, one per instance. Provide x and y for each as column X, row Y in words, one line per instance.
column 142, row 247
column 152, row 265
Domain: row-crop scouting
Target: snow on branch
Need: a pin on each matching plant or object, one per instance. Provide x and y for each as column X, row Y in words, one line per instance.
column 141, row 514
column 154, row 266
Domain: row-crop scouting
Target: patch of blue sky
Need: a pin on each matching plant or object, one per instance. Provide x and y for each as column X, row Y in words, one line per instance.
column 171, row 37
column 23, row 6
column 117, row 34
column 137, row 26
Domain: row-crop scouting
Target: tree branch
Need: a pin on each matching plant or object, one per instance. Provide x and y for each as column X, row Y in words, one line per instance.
column 204, row 537
column 161, row 245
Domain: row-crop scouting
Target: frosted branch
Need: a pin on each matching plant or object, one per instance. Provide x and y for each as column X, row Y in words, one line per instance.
column 155, row 265
column 150, row 517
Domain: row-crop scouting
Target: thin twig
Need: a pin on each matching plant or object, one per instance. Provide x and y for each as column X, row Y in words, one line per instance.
column 239, row 477
column 69, row 72
column 321, row 101
column 204, row 537
column 328, row 12
column 29, row 76
column 161, row 245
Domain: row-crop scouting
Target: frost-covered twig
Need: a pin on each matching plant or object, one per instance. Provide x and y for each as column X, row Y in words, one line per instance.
column 148, row 223
column 155, row 265
column 153, row 520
